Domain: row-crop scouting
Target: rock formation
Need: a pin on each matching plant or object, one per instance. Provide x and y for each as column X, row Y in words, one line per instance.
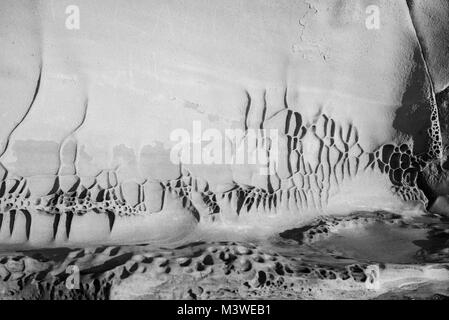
column 114, row 128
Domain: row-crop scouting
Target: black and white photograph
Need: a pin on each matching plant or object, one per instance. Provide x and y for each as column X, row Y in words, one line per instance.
column 224, row 150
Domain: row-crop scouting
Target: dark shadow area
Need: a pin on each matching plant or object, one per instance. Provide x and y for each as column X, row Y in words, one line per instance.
column 413, row 118
column 44, row 255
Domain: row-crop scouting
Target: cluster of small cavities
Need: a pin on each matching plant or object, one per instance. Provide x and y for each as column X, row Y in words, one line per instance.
column 191, row 270
column 403, row 169
column 16, row 198
column 435, row 151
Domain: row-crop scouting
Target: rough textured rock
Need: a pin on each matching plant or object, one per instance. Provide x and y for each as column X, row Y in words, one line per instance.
column 291, row 266
column 87, row 138
column 92, row 119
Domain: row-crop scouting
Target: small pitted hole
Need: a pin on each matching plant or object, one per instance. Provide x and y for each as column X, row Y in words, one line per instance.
column 134, row 267
column 97, row 285
column 125, row 274
column 200, row 266
column 261, row 277
column 100, row 196
column 100, row 249
column 147, row 260
column 192, row 294
column 361, row 278
column 114, row 251
column 185, row 262
column 208, row 260
column 356, row 269
column 279, row 268
column 41, row 275
column 344, row 275
column 445, row 165
column 222, row 256
column 164, row 263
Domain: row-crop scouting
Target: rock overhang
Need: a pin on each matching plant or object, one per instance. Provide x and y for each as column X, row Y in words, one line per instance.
column 90, row 131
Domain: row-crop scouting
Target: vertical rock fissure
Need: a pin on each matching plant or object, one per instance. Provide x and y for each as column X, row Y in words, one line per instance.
column 436, row 147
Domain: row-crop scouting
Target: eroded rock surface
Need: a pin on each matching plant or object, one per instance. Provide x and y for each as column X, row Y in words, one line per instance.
column 88, row 139
column 277, row 269
column 93, row 118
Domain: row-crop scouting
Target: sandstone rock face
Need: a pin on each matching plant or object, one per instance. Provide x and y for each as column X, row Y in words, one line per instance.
column 91, row 116
column 213, row 269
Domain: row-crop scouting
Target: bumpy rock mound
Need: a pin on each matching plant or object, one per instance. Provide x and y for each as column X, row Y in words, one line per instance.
column 204, row 270
column 200, row 271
